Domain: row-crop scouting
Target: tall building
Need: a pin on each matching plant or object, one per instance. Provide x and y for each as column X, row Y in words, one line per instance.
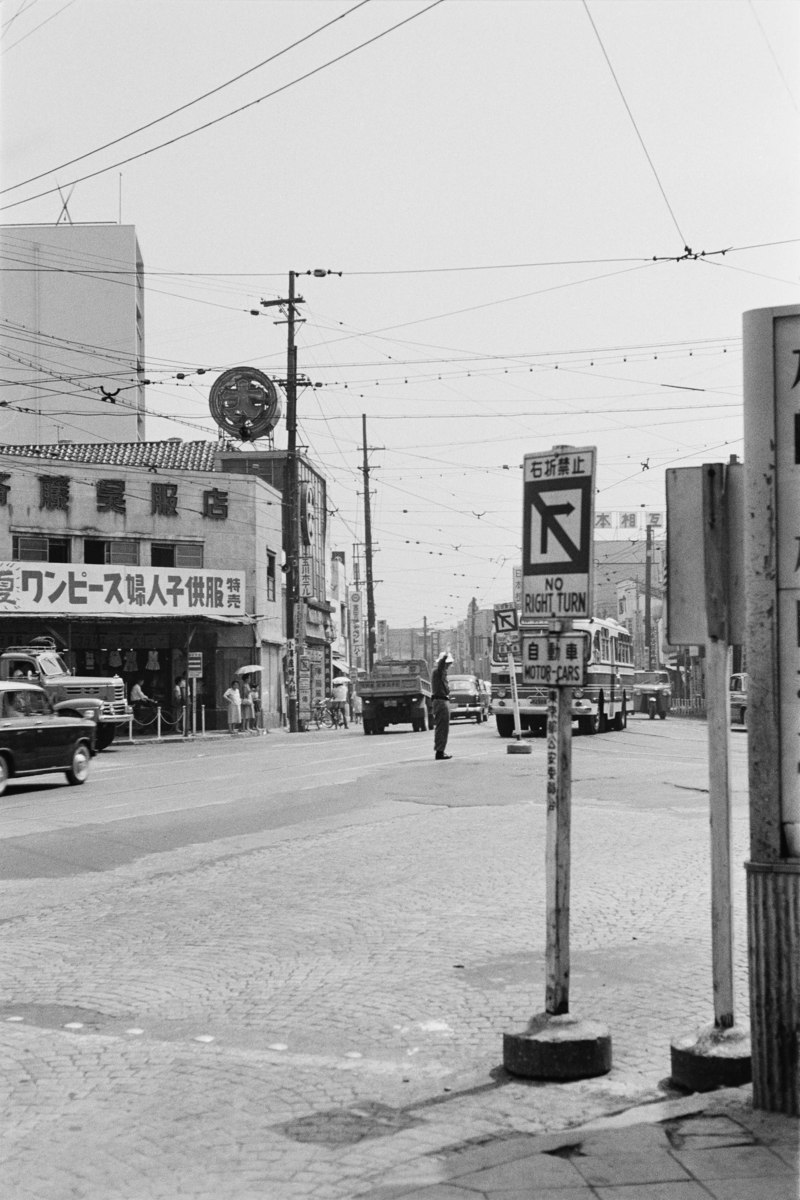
column 71, row 334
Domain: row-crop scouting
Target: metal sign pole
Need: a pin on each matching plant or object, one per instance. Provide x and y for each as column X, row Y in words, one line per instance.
column 557, row 851
column 512, row 671
column 557, row 532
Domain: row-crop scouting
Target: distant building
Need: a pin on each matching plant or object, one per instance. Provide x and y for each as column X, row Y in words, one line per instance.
column 72, row 329
column 622, row 561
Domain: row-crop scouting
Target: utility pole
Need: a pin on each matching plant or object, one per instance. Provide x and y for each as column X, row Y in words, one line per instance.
column 425, row 640
column 370, row 647
column 292, row 487
column 295, row 644
column 648, row 575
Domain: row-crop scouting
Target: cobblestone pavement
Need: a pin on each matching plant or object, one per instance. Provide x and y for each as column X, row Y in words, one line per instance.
column 316, row 1011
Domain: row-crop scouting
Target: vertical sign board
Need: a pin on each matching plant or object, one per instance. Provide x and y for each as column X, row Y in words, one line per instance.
column 787, row 463
column 557, row 528
column 356, row 627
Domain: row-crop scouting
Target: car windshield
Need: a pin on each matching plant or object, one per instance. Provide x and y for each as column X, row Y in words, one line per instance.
column 651, row 677
column 52, row 664
column 462, row 681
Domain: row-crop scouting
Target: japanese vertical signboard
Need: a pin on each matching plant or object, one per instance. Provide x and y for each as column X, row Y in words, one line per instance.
column 557, row 531
column 356, row 626
column 306, row 575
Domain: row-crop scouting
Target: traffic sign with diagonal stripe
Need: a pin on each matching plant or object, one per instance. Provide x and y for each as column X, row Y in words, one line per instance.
column 557, row 532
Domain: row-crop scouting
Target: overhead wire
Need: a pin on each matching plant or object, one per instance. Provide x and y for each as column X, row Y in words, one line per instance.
column 46, row 21
column 234, row 112
column 633, row 122
column 189, row 104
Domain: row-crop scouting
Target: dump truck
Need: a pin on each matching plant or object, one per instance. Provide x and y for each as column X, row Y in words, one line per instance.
column 396, row 692
column 39, row 662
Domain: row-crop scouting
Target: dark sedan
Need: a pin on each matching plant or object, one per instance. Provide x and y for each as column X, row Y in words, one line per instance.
column 36, row 739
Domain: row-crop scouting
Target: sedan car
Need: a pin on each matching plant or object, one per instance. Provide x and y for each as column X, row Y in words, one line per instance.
column 36, row 738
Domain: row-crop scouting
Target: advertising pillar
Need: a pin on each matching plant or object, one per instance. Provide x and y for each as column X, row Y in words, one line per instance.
column 772, row 581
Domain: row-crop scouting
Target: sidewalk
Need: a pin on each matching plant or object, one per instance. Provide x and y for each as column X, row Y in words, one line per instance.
column 712, row 1145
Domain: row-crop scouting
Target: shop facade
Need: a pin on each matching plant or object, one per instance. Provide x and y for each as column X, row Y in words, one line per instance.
column 145, row 561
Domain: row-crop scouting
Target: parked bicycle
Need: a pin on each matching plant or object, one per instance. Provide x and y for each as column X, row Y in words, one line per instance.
column 324, row 715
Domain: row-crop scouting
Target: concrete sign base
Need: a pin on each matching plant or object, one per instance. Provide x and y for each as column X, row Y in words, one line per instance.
column 711, row 1058
column 561, row 1047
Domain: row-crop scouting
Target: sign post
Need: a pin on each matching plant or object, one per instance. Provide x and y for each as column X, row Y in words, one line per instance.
column 194, row 671
column 705, row 604
column 506, row 625
column 558, row 508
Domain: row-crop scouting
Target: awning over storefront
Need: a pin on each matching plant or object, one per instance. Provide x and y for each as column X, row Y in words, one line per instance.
column 118, row 618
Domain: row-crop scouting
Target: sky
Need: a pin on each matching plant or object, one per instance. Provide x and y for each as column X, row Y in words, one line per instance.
column 548, row 216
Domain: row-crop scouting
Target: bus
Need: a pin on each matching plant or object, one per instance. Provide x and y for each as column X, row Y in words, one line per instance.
column 601, row 704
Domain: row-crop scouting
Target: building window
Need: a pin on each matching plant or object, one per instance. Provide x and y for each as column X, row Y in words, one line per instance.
column 271, row 566
column 115, row 550
column 176, row 554
column 26, row 548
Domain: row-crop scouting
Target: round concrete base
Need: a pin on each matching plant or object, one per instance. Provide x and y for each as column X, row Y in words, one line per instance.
column 518, row 748
column 711, row 1058
column 558, row 1048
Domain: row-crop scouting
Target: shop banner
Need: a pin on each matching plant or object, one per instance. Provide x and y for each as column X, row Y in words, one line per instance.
column 77, row 589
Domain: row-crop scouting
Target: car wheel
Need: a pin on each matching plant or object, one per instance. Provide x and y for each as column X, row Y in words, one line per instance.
column 4, row 774
column 79, row 770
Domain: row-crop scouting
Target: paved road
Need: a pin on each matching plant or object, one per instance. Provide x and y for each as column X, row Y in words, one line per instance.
column 283, row 966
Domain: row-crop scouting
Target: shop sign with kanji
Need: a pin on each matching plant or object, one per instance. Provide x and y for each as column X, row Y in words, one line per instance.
column 82, row 589
column 554, row 660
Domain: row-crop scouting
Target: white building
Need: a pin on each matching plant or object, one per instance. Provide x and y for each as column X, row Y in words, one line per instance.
column 72, row 334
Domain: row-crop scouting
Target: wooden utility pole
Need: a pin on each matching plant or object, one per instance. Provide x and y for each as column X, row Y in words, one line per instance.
column 292, row 541
column 370, row 647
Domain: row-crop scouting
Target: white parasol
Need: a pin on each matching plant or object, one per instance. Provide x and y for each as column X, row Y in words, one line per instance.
column 251, row 670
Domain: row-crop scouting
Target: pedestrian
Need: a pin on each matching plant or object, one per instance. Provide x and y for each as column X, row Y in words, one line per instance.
column 179, row 703
column 137, row 694
column 357, row 708
column 247, row 707
column 255, row 696
column 441, row 705
column 233, row 699
column 340, row 687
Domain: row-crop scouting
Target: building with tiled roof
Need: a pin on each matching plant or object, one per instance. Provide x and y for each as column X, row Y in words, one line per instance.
column 144, row 559
column 93, row 536
column 173, row 454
